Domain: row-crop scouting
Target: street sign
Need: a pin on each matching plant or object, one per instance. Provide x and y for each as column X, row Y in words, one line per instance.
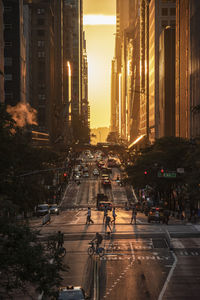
column 167, row 175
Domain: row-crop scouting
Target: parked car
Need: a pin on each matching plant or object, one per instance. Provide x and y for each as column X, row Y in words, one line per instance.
column 42, row 209
column 54, row 209
column 72, row 293
column 155, row 214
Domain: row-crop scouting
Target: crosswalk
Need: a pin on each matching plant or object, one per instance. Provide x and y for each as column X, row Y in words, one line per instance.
column 147, row 257
column 188, row 252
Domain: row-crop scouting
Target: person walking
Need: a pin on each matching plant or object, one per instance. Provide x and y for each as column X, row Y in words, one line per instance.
column 107, row 223
column 134, row 216
column 89, row 220
column 60, row 239
column 105, row 213
column 114, row 216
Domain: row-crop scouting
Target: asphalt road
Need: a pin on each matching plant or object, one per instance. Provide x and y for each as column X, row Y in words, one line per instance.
column 138, row 263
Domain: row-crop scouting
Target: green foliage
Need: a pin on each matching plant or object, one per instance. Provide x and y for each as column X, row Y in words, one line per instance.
column 25, row 263
column 167, row 153
column 19, row 157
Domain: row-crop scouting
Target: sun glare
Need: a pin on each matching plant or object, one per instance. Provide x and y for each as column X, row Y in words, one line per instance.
column 99, row 20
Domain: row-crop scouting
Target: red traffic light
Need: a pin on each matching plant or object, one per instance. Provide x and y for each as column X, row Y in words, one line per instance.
column 162, row 171
column 145, row 172
column 65, row 174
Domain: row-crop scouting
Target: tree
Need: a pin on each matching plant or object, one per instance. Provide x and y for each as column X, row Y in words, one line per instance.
column 166, row 155
column 25, row 262
column 18, row 157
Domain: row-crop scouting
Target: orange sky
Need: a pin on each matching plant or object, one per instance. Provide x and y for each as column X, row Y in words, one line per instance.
column 100, row 50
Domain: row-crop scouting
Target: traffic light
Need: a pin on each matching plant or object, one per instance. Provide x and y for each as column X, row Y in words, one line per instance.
column 145, row 172
column 162, row 171
column 65, row 176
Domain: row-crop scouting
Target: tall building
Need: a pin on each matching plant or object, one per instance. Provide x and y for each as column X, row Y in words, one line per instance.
column 85, row 109
column 14, row 52
column 42, row 63
column 162, row 13
column 167, row 83
column 1, row 54
column 114, row 100
column 187, row 68
column 77, row 31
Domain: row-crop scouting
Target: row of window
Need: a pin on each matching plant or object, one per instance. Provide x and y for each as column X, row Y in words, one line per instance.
column 41, row 97
column 168, row 11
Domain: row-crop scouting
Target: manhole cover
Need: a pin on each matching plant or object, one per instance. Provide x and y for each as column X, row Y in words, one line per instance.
column 159, row 243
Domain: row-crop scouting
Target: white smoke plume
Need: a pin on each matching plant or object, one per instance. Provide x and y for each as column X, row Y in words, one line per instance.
column 23, row 114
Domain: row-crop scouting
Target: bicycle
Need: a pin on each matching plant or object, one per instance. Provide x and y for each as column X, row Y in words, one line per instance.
column 92, row 249
column 55, row 250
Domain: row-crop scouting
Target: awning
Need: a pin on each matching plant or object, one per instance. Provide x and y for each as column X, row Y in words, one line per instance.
column 136, row 141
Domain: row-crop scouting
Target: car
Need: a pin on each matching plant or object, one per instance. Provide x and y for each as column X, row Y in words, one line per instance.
column 103, row 204
column 106, row 182
column 86, row 174
column 72, row 293
column 155, row 214
column 54, row 209
column 96, row 172
column 42, row 209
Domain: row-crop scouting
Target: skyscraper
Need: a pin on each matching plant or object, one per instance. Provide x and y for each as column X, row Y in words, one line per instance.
column 187, row 68
column 1, row 55
column 14, row 52
column 161, row 14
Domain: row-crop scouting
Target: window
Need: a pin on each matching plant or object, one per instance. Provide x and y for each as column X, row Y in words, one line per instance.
column 42, row 96
column 9, row 96
column 41, row 85
column 8, row 77
column 7, row 8
column 41, row 54
column 173, row 23
column 164, row 11
column 40, row 44
column 40, row 11
column 172, row 11
column 40, row 32
column 8, row 26
column 41, row 76
column 8, row 44
column 40, row 22
column 8, row 61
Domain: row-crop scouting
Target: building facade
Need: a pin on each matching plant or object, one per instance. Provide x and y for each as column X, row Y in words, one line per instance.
column 187, row 69
column 42, row 63
column 15, row 60
column 162, row 13
column 167, row 83
column 1, row 54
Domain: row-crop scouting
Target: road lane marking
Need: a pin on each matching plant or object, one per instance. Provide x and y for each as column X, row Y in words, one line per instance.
column 168, row 277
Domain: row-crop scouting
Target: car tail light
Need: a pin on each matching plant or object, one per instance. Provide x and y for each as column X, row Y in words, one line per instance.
column 150, row 212
column 157, row 208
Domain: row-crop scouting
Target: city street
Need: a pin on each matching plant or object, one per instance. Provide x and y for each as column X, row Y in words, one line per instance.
column 142, row 261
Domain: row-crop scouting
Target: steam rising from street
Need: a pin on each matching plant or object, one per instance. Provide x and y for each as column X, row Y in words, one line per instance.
column 23, row 114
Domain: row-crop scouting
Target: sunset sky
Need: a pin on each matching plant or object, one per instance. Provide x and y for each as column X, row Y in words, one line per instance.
column 100, row 30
